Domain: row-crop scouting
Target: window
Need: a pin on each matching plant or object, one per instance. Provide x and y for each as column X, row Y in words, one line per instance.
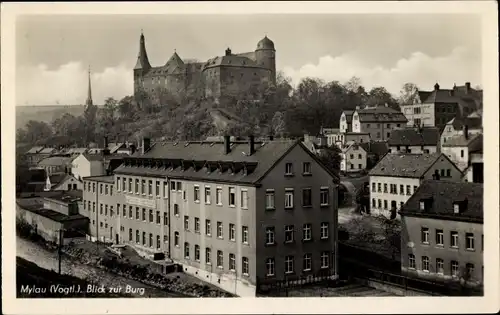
column 151, row 219
column 324, row 230
column 172, row 186
column 244, row 199
column 270, row 235
column 289, row 169
column 105, row 209
column 462, row 153
column 208, row 255
column 196, row 194
column 325, row 259
column 359, row 157
column 157, row 193
column 208, row 228
column 124, row 184
column 425, row 235
column 245, row 266
column 306, row 168
column 378, row 134
column 270, row 267
column 130, row 235
column 179, row 186
column 220, row 259
column 408, row 190
column 232, row 232
column 93, row 187
column 307, row 262
column 289, row 230
column 469, row 241
column 208, row 198
column 186, row 223
column 307, row 232
column 324, row 196
column 469, row 270
column 165, row 218
column 415, row 189
column 232, row 262
column 425, row 263
column 197, row 225
column 374, row 187
column 306, row 197
column 439, row 266
column 150, row 187
column 270, row 199
column 219, row 230
column 289, row 264
column 411, row 261
column 197, row 252
column 186, row 250
column 385, row 187
column 143, row 186
column 351, row 156
column 244, row 234
column 150, row 240
column 385, row 204
column 100, row 189
column 454, row 239
column 144, row 238
column 454, row 268
column 176, row 209
column 218, row 196
column 137, row 237
column 130, row 212
column 232, row 196
column 439, row 238
column 118, row 184
column 176, row 238
column 165, row 189
column 374, row 203
column 288, row 198
column 379, row 202
column 448, row 173
column 379, row 187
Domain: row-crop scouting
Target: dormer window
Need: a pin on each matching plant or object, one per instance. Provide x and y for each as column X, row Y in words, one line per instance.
column 459, row 206
column 425, row 204
column 422, row 205
column 456, row 208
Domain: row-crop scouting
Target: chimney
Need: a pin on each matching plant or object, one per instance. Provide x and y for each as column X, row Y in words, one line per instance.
column 436, row 87
column 251, row 144
column 467, row 87
column 227, row 144
column 452, row 92
column 228, row 51
column 146, row 145
column 466, row 131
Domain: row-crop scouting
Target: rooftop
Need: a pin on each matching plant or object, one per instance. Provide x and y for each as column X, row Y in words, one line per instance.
column 379, row 148
column 382, row 114
column 414, row 136
column 36, row 206
column 441, row 196
column 55, row 161
column 474, row 141
column 103, row 178
column 67, row 196
column 405, row 165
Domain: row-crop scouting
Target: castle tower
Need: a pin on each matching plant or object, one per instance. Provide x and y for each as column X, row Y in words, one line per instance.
column 142, row 65
column 265, row 55
column 88, row 102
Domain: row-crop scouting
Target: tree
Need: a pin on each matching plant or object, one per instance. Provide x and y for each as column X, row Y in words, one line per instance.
column 330, row 157
column 363, row 199
column 278, row 124
column 380, row 96
column 35, row 132
column 408, row 93
column 392, row 236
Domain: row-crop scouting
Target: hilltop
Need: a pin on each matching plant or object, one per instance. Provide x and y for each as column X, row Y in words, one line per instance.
column 44, row 113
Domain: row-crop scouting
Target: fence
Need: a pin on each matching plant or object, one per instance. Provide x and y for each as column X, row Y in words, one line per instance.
column 280, row 287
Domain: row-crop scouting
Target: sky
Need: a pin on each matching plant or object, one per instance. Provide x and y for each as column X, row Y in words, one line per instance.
column 54, row 52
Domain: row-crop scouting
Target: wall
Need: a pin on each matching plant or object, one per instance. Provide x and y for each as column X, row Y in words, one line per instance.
column 80, row 167
column 442, row 166
column 242, row 80
column 355, row 161
column 344, row 125
column 449, row 132
column 297, row 216
column 357, row 138
column 427, row 115
column 99, row 202
column 399, row 198
column 59, row 206
column 46, row 228
column 232, row 281
column 411, row 243
column 69, row 181
column 455, row 154
column 97, row 168
column 211, row 77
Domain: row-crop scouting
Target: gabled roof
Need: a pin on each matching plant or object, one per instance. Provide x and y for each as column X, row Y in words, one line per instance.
column 414, row 136
column 462, row 141
column 55, row 161
column 208, row 161
column 379, row 148
column 472, row 122
column 381, row 114
column 113, row 147
column 346, row 148
column 348, row 115
column 442, row 195
column 35, row 150
column 231, row 60
column 329, row 131
column 405, row 165
column 102, row 157
column 47, row 151
column 57, row 178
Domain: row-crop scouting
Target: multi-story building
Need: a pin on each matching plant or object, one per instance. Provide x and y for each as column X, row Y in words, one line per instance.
column 436, row 108
column 397, row 177
column 457, row 148
column 353, row 158
column 345, row 124
column 346, row 138
column 414, row 140
column 235, row 214
column 378, row 121
column 456, row 127
column 56, row 164
column 442, row 232
column 86, row 165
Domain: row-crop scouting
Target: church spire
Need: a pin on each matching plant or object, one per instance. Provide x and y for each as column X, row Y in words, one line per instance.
column 142, row 58
column 89, row 93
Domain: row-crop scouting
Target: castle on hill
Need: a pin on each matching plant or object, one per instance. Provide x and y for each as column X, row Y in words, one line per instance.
column 227, row 75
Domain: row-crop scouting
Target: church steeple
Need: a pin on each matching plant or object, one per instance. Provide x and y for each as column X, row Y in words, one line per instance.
column 142, row 58
column 89, row 102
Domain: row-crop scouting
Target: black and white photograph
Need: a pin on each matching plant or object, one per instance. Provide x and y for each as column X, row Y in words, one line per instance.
column 251, row 150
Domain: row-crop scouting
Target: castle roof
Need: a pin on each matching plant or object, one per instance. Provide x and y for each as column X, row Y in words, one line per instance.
column 265, row 43
column 231, row 60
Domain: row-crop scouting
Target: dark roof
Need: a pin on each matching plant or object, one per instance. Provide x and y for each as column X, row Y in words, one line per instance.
column 381, row 114
column 442, row 195
column 348, row 115
column 378, row 148
column 103, row 178
column 67, row 196
column 55, row 161
column 231, row 60
column 405, row 165
column 414, row 136
column 265, row 43
column 207, row 160
column 461, row 141
column 57, row 178
column 471, row 122
column 101, row 157
column 459, row 95
column 35, row 150
column 39, row 209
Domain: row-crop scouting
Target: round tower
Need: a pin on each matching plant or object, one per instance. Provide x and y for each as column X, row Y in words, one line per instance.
column 265, row 56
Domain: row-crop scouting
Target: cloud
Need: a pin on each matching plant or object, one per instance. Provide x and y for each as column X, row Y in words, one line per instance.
column 68, row 84
column 459, row 66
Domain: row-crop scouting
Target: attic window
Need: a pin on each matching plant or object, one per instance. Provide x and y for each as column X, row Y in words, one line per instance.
column 422, row 205
column 456, row 208
column 425, row 203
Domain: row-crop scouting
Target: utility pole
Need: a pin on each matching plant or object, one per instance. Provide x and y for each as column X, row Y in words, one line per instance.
column 59, row 250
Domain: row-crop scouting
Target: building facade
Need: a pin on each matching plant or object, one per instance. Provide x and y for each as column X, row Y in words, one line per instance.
column 230, row 74
column 378, row 121
column 415, row 140
column 345, row 124
column 457, row 127
column 458, row 148
column 353, row 158
column 442, row 232
column 397, row 177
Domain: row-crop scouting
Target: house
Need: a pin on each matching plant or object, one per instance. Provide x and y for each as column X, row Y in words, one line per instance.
column 458, row 148
column 87, row 165
column 436, row 108
column 56, row 164
column 62, row 181
column 30, row 180
column 315, row 144
column 474, row 173
column 378, row 121
column 456, row 127
column 442, row 232
column 353, row 158
column 375, row 150
column 38, row 153
column 346, row 121
column 238, row 214
column 331, row 135
column 414, row 140
column 397, row 177
column 345, row 138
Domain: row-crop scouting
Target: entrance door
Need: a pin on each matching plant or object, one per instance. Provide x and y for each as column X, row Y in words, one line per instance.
column 117, row 239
